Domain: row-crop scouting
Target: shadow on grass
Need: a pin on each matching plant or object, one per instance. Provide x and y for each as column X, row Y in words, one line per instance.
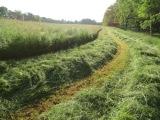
column 156, row 35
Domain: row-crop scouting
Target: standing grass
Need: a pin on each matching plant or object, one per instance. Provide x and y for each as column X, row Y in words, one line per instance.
column 26, row 39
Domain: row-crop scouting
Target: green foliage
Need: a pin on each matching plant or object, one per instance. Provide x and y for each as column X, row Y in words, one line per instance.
column 148, row 7
column 3, row 11
column 87, row 21
column 109, row 17
column 3, row 67
column 146, row 25
column 140, row 15
column 6, row 107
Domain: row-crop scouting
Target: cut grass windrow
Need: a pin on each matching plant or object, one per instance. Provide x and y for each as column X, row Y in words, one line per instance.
column 32, row 112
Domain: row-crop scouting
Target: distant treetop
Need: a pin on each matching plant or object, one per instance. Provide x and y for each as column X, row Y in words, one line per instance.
column 5, row 13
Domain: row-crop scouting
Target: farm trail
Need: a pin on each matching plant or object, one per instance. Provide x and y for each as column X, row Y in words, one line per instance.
column 116, row 64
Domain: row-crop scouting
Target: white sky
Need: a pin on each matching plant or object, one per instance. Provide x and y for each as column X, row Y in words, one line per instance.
column 61, row 9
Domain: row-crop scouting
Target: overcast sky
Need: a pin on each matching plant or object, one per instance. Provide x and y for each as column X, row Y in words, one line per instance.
column 61, row 9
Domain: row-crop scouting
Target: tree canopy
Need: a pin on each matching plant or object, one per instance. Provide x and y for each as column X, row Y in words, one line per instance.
column 140, row 15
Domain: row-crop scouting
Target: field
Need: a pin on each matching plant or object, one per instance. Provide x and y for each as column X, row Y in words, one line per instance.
column 21, row 40
column 25, row 79
column 129, row 94
column 77, row 72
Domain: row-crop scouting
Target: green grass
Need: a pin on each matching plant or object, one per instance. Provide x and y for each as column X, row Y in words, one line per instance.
column 26, row 39
column 131, row 94
column 28, row 80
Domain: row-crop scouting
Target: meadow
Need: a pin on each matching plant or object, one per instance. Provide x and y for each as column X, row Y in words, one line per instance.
column 83, row 69
column 119, row 70
column 30, row 78
column 129, row 94
column 26, row 39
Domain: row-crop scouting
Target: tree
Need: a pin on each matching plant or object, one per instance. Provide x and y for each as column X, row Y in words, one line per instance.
column 87, row 21
column 139, row 15
column 18, row 15
column 123, row 13
column 126, row 11
column 147, row 10
column 110, row 16
column 3, row 11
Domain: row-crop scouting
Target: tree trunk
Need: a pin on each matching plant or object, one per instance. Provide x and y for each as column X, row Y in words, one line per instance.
column 150, row 25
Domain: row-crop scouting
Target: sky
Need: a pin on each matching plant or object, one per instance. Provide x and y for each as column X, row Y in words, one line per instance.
column 61, row 9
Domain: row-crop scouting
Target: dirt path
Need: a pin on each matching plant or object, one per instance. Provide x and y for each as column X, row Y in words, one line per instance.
column 118, row 63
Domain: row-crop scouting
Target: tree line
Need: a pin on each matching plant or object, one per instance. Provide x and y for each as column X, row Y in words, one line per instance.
column 138, row 15
column 5, row 13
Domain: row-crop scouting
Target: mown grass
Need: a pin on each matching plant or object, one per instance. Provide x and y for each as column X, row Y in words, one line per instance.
column 26, row 39
column 131, row 94
column 28, row 80
column 116, row 64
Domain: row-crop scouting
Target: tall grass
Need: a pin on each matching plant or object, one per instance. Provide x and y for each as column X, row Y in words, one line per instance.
column 25, row 39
